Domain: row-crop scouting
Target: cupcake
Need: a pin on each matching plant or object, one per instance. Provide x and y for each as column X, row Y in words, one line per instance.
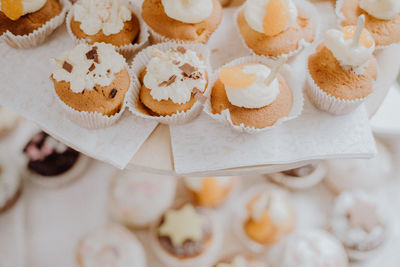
column 51, row 163
column 8, row 120
column 275, row 27
column 91, row 82
column 312, row 248
column 182, row 20
column 26, row 23
column 10, row 184
column 240, row 261
column 358, row 223
column 382, row 18
column 209, row 191
column 172, row 82
column 342, row 70
column 187, row 236
column 111, row 245
column 138, row 200
column 300, row 178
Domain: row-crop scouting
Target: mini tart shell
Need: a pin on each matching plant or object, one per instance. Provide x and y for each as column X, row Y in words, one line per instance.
column 164, row 28
column 384, row 32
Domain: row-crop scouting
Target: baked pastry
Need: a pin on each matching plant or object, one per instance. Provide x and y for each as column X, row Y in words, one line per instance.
column 8, row 120
column 111, row 245
column 209, row 191
column 186, row 236
column 240, row 261
column 182, row 20
column 358, row 223
column 382, row 18
column 107, row 21
column 274, row 27
column 51, row 163
column 342, row 70
column 300, row 178
column 138, row 200
column 10, row 184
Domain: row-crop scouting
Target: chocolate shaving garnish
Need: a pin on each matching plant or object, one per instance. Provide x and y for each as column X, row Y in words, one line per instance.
column 92, row 67
column 92, row 54
column 176, row 62
column 68, row 67
column 181, row 49
column 187, row 69
column 198, row 94
column 169, row 82
column 113, row 93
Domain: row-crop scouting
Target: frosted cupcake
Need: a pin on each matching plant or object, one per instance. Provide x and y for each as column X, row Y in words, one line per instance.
column 8, row 120
column 274, row 27
column 138, row 200
column 358, row 224
column 182, row 20
column 90, row 80
column 382, row 18
column 186, row 236
column 300, row 178
column 209, row 191
column 342, row 70
column 51, row 163
column 240, row 261
column 26, row 23
column 111, row 245
column 10, row 184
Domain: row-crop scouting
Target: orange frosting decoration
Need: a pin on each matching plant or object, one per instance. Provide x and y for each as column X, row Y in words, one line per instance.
column 12, row 8
column 212, row 193
column 365, row 39
column 234, row 77
column 262, row 231
column 276, row 17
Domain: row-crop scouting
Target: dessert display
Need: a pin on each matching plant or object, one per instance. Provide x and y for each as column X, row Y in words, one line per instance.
column 91, row 82
column 8, row 120
column 275, row 27
column 27, row 23
column 110, row 245
column 182, row 20
column 350, row 174
column 300, row 178
column 382, row 18
column 139, row 200
column 187, row 236
column 52, row 164
column 342, row 71
column 10, row 184
column 210, row 191
column 240, row 261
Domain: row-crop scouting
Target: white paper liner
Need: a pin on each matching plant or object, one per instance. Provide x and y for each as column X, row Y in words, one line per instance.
column 95, row 120
column 39, row 35
column 139, row 64
column 340, row 18
column 306, row 9
column 207, row 258
column 290, row 78
column 63, row 179
column 298, row 183
column 128, row 50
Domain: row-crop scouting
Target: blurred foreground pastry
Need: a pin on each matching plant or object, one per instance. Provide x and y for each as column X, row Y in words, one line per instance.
column 10, row 183
column 240, row 261
column 8, row 120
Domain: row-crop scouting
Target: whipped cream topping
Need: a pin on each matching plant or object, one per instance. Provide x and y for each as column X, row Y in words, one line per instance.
column 255, row 11
column 188, row 11
column 9, row 182
column 258, row 94
column 175, row 74
column 86, row 66
column 106, row 15
column 381, row 9
column 196, row 183
column 28, row 6
column 344, row 51
column 112, row 246
column 277, row 205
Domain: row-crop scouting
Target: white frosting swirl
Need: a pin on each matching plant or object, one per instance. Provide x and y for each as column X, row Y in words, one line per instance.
column 30, row 6
column 257, row 95
column 254, row 13
column 381, row 9
column 160, row 70
column 188, row 11
column 345, row 52
column 81, row 77
column 97, row 15
column 276, row 203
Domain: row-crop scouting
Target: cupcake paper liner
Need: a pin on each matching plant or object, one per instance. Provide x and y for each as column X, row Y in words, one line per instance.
column 298, row 99
column 139, row 64
column 307, row 9
column 95, row 120
column 128, row 50
column 39, row 35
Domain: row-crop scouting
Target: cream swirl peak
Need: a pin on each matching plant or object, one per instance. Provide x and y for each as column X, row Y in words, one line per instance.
column 16, row 9
column 381, row 9
column 188, row 11
column 106, row 15
column 86, row 66
column 175, row 74
column 275, row 203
